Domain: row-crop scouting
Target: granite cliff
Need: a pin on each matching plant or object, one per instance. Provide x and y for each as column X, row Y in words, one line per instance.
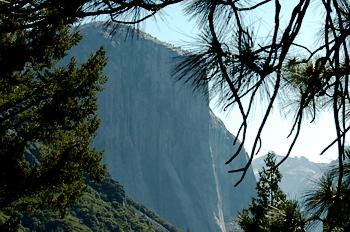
column 161, row 140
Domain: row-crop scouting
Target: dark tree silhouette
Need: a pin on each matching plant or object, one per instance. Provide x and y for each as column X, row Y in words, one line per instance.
column 328, row 204
column 243, row 68
column 27, row 14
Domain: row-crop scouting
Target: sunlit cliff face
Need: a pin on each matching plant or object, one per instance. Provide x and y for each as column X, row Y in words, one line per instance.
column 157, row 135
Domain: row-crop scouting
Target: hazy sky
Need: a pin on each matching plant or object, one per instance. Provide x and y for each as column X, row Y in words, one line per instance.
column 178, row 30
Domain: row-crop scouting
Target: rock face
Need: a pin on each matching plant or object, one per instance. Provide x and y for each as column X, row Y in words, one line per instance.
column 161, row 141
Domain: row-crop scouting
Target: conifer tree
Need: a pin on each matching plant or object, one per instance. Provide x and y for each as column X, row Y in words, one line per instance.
column 270, row 210
column 47, row 115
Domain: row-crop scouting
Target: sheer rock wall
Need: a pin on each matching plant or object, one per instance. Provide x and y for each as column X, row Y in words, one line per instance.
column 160, row 139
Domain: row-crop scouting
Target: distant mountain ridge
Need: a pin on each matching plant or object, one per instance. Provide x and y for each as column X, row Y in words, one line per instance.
column 298, row 174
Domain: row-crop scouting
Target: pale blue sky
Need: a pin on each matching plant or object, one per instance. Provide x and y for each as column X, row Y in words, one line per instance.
column 174, row 28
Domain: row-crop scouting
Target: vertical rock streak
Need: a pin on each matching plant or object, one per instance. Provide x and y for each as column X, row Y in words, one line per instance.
column 220, row 220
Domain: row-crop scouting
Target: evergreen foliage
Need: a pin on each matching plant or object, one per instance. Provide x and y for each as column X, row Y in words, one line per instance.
column 328, row 204
column 247, row 66
column 270, row 211
column 47, row 115
column 102, row 207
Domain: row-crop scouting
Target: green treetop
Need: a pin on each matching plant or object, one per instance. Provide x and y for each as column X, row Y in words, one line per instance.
column 267, row 187
column 270, row 210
